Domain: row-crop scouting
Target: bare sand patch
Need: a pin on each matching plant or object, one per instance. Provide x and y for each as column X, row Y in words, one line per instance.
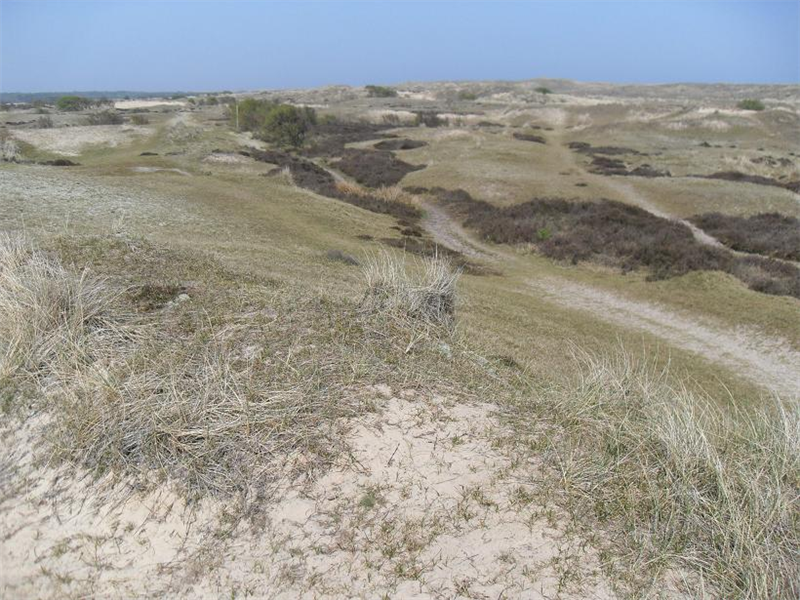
column 71, row 141
column 131, row 104
column 425, row 506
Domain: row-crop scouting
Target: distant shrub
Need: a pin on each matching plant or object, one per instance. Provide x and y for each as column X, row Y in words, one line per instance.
column 139, row 120
column 105, row 117
column 44, row 123
column 751, row 104
column 467, row 96
column 73, row 103
column 287, row 125
column 544, row 90
column 379, row 91
column 251, row 113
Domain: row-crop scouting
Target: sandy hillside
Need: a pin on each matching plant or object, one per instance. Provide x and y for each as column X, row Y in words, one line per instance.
column 425, row 506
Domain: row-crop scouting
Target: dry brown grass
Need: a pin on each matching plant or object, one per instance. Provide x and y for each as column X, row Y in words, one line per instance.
column 224, row 398
column 429, row 297
column 50, row 318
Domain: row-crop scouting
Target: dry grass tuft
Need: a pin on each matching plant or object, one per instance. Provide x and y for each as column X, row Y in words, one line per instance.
column 430, row 296
column 352, row 189
column 678, row 477
column 50, row 317
column 392, row 193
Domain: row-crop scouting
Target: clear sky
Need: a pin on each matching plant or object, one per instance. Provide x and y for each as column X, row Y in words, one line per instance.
column 152, row 45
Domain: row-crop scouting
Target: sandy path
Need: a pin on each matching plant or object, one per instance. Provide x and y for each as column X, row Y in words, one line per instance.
column 766, row 361
column 449, row 233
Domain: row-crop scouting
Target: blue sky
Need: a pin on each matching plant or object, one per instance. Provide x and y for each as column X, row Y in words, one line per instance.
column 237, row 45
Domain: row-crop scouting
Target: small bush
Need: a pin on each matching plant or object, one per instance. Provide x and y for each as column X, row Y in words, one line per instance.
column 751, row 104
column 73, row 103
column 379, row 91
column 251, row 113
column 544, row 90
column 139, row 120
column 105, row 117
column 287, row 125
column 467, row 96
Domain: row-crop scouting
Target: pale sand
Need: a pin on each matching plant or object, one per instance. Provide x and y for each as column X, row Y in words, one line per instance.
column 129, row 104
column 426, row 506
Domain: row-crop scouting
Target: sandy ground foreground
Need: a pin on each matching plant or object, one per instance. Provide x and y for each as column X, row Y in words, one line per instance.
column 425, row 507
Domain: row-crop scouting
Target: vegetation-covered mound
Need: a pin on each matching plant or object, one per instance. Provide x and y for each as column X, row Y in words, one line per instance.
column 375, row 168
column 771, row 234
column 618, row 234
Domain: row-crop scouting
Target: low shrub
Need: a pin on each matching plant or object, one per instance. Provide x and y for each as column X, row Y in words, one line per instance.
column 249, row 114
column 374, row 168
column 544, row 90
column 528, row 137
column 464, row 95
column 139, row 120
column 792, row 186
column 329, row 136
column 615, row 233
column 287, row 125
column 307, row 175
column 770, row 234
column 751, row 104
column 379, row 91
